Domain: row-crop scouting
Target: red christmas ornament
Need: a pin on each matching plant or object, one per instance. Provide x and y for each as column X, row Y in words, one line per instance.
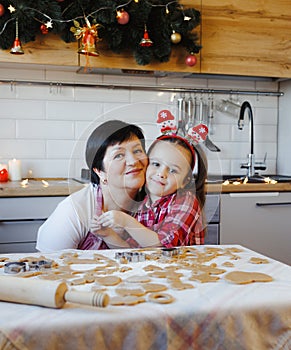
column 146, row 41
column 191, row 60
column 2, row 10
column 3, row 175
column 44, row 29
column 16, row 48
column 122, row 17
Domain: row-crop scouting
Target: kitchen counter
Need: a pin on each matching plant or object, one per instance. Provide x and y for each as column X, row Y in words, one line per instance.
column 248, row 187
column 40, row 187
column 64, row 187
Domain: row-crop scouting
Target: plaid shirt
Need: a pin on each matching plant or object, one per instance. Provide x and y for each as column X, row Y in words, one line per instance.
column 177, row 219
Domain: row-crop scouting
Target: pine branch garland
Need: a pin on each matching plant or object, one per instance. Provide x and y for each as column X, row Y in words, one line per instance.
column 161, row 17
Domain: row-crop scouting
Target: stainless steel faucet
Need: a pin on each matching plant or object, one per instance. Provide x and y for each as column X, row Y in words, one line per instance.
column 250, row 165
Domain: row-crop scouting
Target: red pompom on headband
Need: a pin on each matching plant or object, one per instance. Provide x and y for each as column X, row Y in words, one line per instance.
column 168, row 127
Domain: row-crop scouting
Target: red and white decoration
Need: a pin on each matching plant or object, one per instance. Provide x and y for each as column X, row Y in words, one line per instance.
column 198, row 133
column 166, row 122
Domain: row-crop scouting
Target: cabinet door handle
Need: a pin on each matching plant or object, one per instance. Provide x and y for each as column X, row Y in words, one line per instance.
column 20, row 220
column 272, row 204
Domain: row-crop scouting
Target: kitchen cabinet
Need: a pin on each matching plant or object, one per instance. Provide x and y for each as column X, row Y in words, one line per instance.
column 260, row 221
column 250, row 37
column 20, row 218
column 212, row 215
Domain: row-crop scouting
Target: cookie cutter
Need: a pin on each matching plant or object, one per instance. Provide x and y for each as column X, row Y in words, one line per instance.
column 169, row 252
column 14, row 267
column 131, row 256
column 39, row 265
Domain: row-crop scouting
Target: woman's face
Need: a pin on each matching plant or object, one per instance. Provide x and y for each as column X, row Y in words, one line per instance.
column 125, row 165
column 168, row 169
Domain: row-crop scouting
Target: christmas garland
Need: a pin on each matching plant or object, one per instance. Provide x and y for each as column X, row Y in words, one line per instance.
column 148, row 28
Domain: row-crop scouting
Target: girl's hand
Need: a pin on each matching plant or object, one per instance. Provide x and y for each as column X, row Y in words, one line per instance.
column 114, row 219
column 104, row 226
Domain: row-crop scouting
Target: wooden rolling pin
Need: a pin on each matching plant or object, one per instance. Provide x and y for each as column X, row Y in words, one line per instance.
column 46, row 293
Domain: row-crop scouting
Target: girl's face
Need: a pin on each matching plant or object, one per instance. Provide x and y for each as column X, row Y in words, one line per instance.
column 168, row 169
column 124, row 165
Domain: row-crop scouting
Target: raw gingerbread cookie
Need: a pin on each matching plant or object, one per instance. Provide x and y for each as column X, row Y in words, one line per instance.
column 126, row 300
column 130, row 290
column 138, row 279
column 154, row 287
column 161, row 298
column 212, row 269
column 109, row 280
column 255, row 260
column 152, row 268
column 77, row 261
column 32, row 258
column 3, row 258
column 78, row 281
column 158, row 274
column 57, row 276
column 69, row 255
column 233, row 250
column 27, row 274
column 125, row 268
column 228, row 264
column 204, row 278
column 179, row 285
column 98, row 288
column 243, row 277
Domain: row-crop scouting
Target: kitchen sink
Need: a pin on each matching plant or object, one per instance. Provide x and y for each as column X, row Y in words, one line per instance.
column 253, row 179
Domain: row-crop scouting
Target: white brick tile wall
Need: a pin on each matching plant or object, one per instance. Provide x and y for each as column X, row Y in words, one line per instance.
column 44, row 129
column 72, row 110
column 7, row 129
column 18, row 109
column 46, row 126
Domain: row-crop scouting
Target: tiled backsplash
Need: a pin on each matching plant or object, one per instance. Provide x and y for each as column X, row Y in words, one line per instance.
column 46, row 126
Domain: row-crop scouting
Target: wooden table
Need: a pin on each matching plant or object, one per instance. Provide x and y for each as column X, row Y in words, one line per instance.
column 210, row 315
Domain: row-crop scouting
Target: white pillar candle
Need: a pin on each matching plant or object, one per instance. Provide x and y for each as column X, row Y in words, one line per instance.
column 14, row 169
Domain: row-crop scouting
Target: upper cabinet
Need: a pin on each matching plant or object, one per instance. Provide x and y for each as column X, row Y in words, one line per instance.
column 250, row 37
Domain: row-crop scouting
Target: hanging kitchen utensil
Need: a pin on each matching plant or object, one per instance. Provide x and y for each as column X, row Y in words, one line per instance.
column 229, row 106
column 210, row 115
column 190, row 113
column 208, row 143
column 181, row 114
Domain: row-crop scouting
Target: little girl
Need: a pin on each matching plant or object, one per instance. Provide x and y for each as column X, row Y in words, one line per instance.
column 170, row 214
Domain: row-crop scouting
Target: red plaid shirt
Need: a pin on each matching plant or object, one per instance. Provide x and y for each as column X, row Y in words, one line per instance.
column 177, row 219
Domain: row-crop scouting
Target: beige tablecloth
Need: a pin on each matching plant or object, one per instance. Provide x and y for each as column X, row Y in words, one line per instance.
column 216, row 315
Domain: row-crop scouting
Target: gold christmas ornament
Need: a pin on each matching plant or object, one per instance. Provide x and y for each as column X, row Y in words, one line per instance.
column 175, row 37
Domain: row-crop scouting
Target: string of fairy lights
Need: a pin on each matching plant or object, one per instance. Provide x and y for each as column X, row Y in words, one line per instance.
column 85, row 27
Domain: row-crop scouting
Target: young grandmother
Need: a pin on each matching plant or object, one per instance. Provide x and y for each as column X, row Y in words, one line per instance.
column 117, row 160
column 171, row 214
